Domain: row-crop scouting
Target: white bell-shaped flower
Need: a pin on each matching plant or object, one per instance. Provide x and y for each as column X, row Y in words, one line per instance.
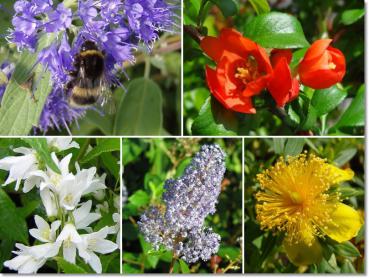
column 95, row 242
column 70, row 239
column 83, row 218
column 62, row 143
column 19, row 167
column 30, row 259
column 44, row 232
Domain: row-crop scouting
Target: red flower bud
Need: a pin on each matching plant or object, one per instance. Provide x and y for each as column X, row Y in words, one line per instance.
column 322, row 66
column 283, row 87
column 243, row 69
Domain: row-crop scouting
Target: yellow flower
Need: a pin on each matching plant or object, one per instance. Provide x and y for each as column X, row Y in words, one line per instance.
column 298, row 198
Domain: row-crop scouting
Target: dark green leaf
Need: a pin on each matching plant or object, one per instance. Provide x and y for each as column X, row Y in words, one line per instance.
column 351, row 16
column 127, row 268
column 68, row 267
column 260, row 6
column 42, row 148
column 103, row 146
column 324, row 101
column 355, row 113
column 12, row 226
column 228, row 8
column 214, row 119
column 6, row 247
column 346, row 249
column 276, row 30
column 347, row 192
column 140, row 111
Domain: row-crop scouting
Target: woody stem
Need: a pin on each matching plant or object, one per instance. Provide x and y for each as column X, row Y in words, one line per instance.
column 193, row 32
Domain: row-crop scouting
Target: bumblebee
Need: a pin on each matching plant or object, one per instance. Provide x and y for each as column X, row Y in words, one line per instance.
column 88, row 83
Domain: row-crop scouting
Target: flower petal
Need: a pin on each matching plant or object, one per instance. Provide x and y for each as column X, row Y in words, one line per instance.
column 339, row 175
column 346, row 223
column 301, row 254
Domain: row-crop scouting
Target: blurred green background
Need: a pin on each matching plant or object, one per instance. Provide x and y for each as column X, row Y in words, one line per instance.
column 147, row 164
column 263, row 250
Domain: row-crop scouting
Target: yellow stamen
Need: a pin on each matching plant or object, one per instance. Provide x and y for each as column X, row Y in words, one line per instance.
column 332, row 65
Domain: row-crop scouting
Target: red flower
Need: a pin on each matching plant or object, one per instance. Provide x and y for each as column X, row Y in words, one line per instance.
column 243, row 69
column 283, row 87
column 322, row 66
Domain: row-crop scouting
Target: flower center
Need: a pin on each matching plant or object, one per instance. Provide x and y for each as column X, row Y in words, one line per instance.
column 249, row 71
column 46, row 234
column 296, row 198
column 55, row 179
column 68, row 199
column 332, row 65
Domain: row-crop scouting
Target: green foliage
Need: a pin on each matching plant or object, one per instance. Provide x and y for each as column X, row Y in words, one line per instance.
column 351, row 16
column 228, row 8
column 263, row 250
column 260, row 6
column 276, row 30
column 144, row 101
column 147, row 164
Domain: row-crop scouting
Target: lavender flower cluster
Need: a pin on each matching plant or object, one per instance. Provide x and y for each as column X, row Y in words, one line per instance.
column 179, row 225
column 117, row 27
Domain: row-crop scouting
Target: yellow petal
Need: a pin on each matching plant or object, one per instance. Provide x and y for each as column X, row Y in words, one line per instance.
column 339, row 175
column 301, row 254
column 346, row 223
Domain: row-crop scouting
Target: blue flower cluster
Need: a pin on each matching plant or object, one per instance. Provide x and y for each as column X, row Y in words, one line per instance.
column 117, row 27
column 179, row 225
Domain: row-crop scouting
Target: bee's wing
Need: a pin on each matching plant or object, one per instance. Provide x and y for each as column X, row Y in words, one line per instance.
column 106, row 97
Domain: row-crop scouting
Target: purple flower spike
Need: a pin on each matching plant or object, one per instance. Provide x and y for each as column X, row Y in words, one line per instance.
column 188, row 201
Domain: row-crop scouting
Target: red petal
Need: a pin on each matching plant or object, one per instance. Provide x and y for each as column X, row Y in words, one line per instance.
column 277, row 54
column 317, row 49
column 213, row 47
column 281, row 83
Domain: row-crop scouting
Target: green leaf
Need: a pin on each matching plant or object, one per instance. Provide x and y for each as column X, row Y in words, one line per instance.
column 351, row 16
column 229, row 251
column 294, row 146
column 345, row 156
column 324, row 101
column 6, row 247
column 276, row 30
column 139, row 198
column 348, row 192
column 346, row 249
column 347, row 267
column 214, row 119
column 68, row 267
column 127, row 268
column 260, row 6
column 184, row 266
column 355, row 113
column 20, row 111
column 42, row 148
column 228, row 8
column 140, row 111
column 103, row 146
column 278, row 145
column 12, row 226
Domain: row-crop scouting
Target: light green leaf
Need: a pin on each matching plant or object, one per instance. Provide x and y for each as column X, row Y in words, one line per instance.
column 184, row 266
column 139, row 198
column 349, row 17
column 346, row 249
column 294, row 146
column 140, row 111
column 276, row 30
column 20, row 111
column 103, row 146
column 278, row 145
column 42, row 148
column 12, row 226
column 260, row 6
